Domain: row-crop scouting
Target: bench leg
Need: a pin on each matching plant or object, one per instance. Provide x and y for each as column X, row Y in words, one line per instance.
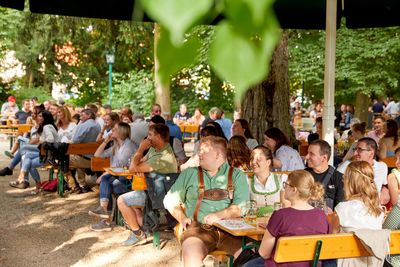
column 156, row 240
column 60, row 186
column 317, row 253
column 51, row 174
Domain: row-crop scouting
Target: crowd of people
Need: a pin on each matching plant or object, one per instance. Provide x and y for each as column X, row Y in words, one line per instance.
column 228, row 169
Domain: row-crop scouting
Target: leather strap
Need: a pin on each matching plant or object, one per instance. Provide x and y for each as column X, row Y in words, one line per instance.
column 230, row 183
column 201, row 193
column 201, row 189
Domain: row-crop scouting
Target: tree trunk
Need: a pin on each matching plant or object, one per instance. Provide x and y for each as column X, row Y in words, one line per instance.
column 361, row 107
column 163, row 95
column 266, row 105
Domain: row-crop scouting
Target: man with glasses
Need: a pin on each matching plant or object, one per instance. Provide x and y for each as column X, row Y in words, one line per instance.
column 365, row 150
column 319, row 152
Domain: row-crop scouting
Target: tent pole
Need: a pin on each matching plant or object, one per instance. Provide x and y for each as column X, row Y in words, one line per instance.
column 329, row 76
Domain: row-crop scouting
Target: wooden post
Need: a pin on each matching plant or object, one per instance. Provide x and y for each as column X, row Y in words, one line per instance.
column 328, row 124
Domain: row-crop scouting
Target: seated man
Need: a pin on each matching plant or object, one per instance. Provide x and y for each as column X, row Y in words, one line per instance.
column 365, row 150
column 160, row 158
column 201, row 211
column 86, row 132
column 8, row 109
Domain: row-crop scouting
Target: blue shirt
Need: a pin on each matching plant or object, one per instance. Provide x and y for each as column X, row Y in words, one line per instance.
column 226, row 126
column 86, row 132
column 174, row 130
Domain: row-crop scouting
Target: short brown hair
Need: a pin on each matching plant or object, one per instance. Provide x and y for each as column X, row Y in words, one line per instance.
column 162, row 130
column 216, row 142
column 324, row 147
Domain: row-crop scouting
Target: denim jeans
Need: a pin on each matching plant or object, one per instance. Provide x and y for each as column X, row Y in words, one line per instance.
column 257, row 262
column 30, row 162
column 110, row 184
column 15, row 161
column 158, row 185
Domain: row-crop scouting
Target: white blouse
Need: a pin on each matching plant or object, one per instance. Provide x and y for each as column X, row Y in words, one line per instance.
column 353, row 215
column 66, row 135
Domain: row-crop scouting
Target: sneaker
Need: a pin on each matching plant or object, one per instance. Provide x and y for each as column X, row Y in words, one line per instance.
column 20, row 185
column 101, row 226
column 86, row 189
column 8, row 154
column 100, row 212
column 133, row 239
column 6, row 171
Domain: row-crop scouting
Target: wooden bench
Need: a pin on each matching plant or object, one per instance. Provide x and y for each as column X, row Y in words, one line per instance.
column 322, row 247
column 73, row 149
column 98, row 164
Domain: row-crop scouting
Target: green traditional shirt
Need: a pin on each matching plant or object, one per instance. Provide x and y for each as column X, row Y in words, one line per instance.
column 162, row 161
column 186, row 191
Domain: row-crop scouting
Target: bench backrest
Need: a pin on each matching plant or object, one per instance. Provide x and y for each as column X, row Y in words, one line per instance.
column 334, row 246
column 81, row 149
column 98, row 164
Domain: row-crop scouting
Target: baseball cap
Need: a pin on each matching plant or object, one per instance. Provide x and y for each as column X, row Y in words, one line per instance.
column 11, row 98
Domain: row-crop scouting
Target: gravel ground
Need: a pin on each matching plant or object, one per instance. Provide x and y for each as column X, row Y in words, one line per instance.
column 46, row 230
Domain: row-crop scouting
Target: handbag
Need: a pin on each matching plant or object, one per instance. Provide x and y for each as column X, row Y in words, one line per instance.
column 50, row 186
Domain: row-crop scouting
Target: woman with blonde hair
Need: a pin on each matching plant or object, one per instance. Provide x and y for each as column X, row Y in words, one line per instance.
column 66, row 127
column 362, row 209
column 120, row 154
column 299, row 219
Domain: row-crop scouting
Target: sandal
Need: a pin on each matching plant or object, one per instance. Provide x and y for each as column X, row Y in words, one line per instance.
column 36, row 191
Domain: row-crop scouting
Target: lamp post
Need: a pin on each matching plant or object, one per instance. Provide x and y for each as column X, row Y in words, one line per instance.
column 110, row 58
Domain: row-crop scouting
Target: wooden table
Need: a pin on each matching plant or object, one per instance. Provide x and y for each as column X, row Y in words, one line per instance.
column 255, row 234
column 189, row 128
column 123, row 172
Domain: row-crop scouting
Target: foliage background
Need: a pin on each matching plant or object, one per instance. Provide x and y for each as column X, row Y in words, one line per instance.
column 368, row 61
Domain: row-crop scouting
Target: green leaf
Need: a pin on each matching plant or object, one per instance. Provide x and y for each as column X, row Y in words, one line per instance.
column 236, row 59
column 177, row 16
column 173, row 58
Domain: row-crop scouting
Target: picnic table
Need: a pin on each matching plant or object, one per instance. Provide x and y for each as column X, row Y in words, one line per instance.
column 251, row 234
column 13, row 130
column 189, row 128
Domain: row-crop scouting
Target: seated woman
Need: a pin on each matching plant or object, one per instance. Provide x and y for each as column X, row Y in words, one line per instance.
column 300, row 219
column 241, row 127
column 48, row 133
column 109, row 122
column 390, row 141
column 357, row 132
column 362, row 209
column 120, row 154
column 266, row 187
column 238, row 154
column 23, row 144
column 285, row 157
column 66, row 127
column 394, row 180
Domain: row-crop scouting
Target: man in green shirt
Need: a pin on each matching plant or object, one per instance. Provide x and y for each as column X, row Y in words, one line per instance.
column 159, row 158
column 199, row 237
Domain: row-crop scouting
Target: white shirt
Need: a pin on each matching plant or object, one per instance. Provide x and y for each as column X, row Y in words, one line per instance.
column 65, row 135
column 353, row 214
column 380, row 172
